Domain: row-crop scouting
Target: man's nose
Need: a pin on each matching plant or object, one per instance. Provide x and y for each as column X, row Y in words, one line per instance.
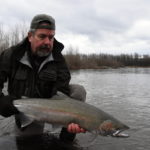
column 47, row 41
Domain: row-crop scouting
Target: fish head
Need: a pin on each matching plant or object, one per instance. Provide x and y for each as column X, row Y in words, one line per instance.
column 112, row 128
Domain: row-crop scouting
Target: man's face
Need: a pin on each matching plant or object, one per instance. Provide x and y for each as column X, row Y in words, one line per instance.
column 41, row 42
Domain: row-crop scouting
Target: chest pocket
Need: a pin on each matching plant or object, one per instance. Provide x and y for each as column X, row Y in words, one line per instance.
column 19, row 83
column 21, row 75
column 49, row 76
column 47, row 82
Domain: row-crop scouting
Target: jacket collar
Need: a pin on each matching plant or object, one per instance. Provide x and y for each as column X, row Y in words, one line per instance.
column 24, row 46
column 25, row 60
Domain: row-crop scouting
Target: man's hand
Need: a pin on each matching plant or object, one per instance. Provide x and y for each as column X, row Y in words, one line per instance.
column 75, row 128
column 6, row 106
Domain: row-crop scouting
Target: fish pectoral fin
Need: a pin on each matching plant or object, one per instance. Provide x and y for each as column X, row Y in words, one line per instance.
column 25, row 120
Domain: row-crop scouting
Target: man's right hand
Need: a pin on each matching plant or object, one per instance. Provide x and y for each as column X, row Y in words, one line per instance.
column 75, row 128
column 6, row 106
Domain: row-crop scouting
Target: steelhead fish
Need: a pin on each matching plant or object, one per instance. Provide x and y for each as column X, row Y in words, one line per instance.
column 64, row 112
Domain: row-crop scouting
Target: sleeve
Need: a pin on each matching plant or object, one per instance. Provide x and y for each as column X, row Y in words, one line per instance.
column 63, row 78
column 4, row 69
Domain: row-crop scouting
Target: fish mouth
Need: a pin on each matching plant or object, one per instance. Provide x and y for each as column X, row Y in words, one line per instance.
column 115, row 133
column 119, row 133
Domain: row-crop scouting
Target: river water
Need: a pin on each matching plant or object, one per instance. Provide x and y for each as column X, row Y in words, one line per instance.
column 124, row 93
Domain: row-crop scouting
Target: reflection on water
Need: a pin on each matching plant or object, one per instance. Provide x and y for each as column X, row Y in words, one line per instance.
column 41, row 142
column 45, row 141
column 124, row 93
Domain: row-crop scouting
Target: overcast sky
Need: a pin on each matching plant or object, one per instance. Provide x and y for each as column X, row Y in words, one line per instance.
column 91, row 26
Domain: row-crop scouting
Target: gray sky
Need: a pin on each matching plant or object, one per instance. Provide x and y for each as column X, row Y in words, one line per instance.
column 90, row 26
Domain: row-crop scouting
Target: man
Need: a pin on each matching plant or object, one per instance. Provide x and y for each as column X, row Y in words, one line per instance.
column 36, row 68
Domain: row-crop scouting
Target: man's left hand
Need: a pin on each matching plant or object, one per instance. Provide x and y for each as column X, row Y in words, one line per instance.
column 75, row 128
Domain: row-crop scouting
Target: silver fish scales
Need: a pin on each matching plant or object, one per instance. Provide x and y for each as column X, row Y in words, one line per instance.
column 67, row 111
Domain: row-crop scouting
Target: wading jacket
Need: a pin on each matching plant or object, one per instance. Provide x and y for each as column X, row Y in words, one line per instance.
column 23, row 80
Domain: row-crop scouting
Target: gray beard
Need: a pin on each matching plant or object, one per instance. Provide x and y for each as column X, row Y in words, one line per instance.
column 42, row 54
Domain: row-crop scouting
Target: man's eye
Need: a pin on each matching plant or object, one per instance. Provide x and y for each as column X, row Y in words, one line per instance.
column 51, row 37
column 42, row 36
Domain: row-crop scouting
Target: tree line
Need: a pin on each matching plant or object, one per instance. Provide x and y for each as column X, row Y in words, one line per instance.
column 74, row 59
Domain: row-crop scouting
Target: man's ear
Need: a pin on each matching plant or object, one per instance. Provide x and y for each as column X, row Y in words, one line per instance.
column 30, row 34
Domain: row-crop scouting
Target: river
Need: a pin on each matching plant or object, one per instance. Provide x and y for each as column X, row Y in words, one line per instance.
column 124, row 93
